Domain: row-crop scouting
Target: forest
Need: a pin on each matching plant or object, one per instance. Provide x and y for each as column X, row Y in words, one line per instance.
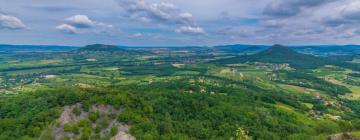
column 107, row 92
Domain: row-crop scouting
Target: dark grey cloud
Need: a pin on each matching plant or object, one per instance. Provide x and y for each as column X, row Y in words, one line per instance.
column 11, row 22
column 345, row 15
column 156, row 11
column 288, row 8
column 53, row 8
column 216, row 20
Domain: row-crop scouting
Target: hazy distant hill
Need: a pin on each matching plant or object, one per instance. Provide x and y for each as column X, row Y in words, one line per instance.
column 282, row 54
column 35, row 48
column 104, row 49
column 97, row 51
column 240, row 48
column 100, row 47
column 329, row 49
column 321, row 50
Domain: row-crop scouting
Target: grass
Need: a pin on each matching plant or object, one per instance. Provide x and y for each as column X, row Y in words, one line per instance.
column 355, row 95
column 302, row 90
column 76, row 79
column 187, row 73
column 336, row 76
column 29, row 88
column 239, row 73
column 299, row 116
column 32, row 63
column 356, row 133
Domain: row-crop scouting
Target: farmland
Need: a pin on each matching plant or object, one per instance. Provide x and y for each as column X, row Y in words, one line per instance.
column 175, row 93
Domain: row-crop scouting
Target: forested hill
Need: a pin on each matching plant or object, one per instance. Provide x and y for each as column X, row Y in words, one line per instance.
column 100, row 47
column 282, row 54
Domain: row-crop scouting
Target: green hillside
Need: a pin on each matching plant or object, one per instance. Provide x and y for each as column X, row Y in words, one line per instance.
column 102, row 92
column 280, row 54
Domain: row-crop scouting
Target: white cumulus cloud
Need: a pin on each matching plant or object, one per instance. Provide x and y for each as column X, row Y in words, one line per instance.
column 81, row 21
column 190, row 30
column 66, row 28
column 11, row 22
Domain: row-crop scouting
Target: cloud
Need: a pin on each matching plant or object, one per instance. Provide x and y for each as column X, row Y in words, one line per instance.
column 81, row 21
column 163, row 13
column 52, row 8
column 78, row 23
column 11, row 22
column 259, row 21
column 66, row 28
column 275, row 23
column 289, row 8
column 185, row 18
column 346, row 14
column 137, row 35
column 190, row 30
column 155, row 12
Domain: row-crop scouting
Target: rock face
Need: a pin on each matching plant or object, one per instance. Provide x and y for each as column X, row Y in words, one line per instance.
column 67, row 117
column 342, row 136
column 122, row 136
column 73, row 122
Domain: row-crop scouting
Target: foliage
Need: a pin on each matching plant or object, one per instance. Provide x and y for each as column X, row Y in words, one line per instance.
column 76, row 111
column 241, row 134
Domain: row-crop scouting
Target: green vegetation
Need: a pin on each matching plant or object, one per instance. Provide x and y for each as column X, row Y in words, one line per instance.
column 281, row 54
column 102, row 91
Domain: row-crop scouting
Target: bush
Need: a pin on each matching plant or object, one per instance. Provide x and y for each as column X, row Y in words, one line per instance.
column 86, row 132
column 104, row 122
column 67, row 128
column 76, row 111
column 75, row 129
column 114, row 130
column 93, row 116
column 97, row 129
column 84, row 123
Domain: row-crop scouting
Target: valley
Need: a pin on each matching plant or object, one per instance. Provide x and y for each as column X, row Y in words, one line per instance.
column 271, row 92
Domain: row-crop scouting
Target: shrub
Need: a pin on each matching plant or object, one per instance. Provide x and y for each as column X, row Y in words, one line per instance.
column 76, row 111
column 93, row 116
column 114, row 130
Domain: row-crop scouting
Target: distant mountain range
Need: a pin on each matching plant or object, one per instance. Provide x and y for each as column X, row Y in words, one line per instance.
column 100, row 48
column 329, row 49
column 322, row 50
column 319, row 50
column 98, row 51
column 281, row 54
column 240, row 48
column 35, row 48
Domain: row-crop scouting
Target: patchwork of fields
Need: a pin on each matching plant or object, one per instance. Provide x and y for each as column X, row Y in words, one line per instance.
column 174, row 94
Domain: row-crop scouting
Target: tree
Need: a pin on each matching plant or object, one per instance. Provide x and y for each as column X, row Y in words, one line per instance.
column 166, row 126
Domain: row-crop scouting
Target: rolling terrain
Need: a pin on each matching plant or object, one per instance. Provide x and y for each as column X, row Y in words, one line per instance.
column 223, row 92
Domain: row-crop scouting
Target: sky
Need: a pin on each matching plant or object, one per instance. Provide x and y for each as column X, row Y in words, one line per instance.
column 179, row 22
